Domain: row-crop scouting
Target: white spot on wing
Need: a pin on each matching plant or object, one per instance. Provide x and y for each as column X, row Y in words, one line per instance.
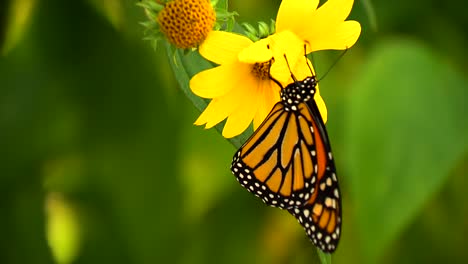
column 322, row 186
column 337, row 194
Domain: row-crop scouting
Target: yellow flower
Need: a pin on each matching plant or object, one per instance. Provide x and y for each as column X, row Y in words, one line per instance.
column 241, row 88
column 323, row 28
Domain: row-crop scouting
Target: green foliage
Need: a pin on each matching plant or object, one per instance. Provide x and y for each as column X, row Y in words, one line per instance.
column 263, row 31
column 410, row 136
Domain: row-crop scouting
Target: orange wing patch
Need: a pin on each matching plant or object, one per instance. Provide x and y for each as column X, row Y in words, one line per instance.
column 277, row 162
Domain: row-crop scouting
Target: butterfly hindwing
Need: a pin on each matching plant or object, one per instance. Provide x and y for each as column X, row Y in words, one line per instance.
column 321, row 215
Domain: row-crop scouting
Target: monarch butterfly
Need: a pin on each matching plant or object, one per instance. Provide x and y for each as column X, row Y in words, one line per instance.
column 288, row 163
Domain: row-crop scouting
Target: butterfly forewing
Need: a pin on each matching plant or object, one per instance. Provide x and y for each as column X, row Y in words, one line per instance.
column 277, row 162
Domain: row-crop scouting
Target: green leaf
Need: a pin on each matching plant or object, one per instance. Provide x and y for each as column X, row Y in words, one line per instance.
column 406, row 132
column 111, row 10
column 17, row 16
column 371, row 14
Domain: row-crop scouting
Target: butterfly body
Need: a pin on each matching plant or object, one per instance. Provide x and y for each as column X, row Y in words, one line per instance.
column 288, row 163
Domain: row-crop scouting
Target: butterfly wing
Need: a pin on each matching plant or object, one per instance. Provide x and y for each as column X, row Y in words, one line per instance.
column 278, row 163
column 321, row 215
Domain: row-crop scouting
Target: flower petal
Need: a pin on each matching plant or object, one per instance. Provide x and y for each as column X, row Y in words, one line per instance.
column 286, row 44
column 220, row 80
column 257, row 52
column 266, row 102
column 215, row 111
column 340, row 37
column 321, row 105
column 291, row 14
column 221, row 107
column 303, row 69
column 331, row 12
column 240, row 119
column 223, row 47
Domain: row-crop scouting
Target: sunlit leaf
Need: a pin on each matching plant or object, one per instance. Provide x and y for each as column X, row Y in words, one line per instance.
column 112, row 10
column 63, row 229
column 18, row 15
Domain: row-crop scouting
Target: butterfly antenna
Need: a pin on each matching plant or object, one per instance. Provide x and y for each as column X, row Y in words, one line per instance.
column 307, row 61
column 289, row 67
column 333, row 65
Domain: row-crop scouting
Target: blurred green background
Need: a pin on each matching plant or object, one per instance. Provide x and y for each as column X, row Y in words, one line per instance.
column 100, row 162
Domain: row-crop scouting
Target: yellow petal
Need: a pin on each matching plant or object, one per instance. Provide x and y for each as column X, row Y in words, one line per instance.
column 221, row 107
column 257, row 52
column 331, row 12
column 291, row 14
column 303, row 69
column 240, row 119
column 266, row 102
column 321, row 105
column 220, row 80
column 285, row 46
column 214, row 113
column 340, row 37
column 223, row 47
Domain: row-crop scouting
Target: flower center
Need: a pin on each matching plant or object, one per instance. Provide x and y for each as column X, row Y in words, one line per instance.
column 186, row 23
column 261, row 70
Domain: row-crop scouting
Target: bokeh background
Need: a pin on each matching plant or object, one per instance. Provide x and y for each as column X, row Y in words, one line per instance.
column 100, row 162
